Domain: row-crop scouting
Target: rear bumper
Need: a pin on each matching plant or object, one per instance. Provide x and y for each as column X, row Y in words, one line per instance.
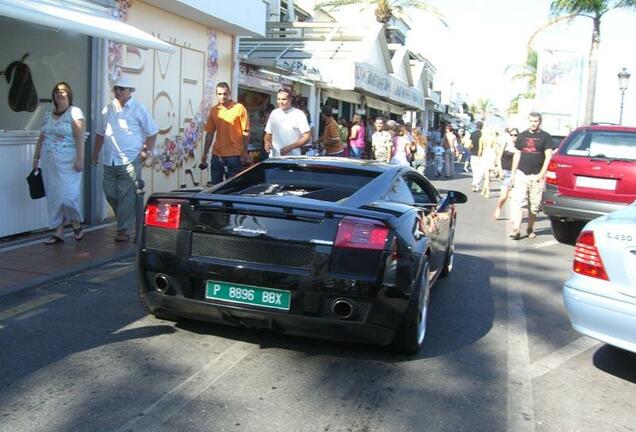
column 609, row 320
column 331, row 329
column 579, row 209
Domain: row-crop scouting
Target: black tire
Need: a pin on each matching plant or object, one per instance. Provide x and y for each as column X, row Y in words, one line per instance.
column 450, row 256
column 564, row 231
column 410, row 336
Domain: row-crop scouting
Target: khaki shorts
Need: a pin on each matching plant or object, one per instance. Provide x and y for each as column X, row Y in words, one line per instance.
column 527, row 191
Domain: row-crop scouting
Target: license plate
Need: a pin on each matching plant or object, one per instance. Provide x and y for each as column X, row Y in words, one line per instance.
column 596, row 183
column 248, row 294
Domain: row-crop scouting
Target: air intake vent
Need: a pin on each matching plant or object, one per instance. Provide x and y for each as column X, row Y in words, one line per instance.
column 252, row 250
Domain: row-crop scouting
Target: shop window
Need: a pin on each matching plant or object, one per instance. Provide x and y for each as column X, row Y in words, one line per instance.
column 53, row 56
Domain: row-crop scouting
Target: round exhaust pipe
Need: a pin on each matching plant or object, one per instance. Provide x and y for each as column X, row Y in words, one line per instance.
column 162, row 283
column 342, row 308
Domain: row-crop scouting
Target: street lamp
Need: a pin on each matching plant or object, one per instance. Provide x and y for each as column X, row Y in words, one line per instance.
column 623, row 79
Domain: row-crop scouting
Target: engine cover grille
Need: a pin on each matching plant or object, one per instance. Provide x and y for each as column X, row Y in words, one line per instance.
column 252, row 250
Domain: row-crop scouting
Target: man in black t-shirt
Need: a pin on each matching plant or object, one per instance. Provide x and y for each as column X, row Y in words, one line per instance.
column 529, row 166
column 475, row 158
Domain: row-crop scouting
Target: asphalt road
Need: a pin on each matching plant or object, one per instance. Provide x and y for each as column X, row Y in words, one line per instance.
column 500, row 355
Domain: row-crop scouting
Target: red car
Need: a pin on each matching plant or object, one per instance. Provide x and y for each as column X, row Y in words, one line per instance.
column 592, row 173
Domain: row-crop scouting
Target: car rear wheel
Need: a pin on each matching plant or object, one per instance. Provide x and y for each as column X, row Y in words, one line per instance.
column 564, row 231
column 410, row 336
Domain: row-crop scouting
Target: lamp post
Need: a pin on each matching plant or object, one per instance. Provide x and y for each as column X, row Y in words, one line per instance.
column 623, row 79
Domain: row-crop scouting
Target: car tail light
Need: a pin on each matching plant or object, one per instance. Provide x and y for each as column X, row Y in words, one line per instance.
column 587, row 260
column 359, row 233
column 551, row 175
column 163, row 214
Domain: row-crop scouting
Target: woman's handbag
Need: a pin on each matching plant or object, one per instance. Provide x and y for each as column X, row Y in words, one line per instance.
column 36, row 185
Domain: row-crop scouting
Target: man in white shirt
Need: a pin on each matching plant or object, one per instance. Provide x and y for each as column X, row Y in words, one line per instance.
column 287, row 129
column 128, row 133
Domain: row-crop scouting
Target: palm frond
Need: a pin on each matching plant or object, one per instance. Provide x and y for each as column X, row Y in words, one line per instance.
column 547, row 25
column 402, row 5
column 332, row 4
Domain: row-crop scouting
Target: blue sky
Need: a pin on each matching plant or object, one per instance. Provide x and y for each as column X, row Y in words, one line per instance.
column 484, row 37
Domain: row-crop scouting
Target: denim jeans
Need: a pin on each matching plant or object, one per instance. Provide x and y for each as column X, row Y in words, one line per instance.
column 227, row 166
column 356, row 152
column 119, row 188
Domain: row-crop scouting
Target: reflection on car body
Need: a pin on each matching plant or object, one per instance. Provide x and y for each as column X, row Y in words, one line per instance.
column 325, row 247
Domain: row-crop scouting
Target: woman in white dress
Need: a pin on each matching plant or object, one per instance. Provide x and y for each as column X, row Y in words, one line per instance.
column 488, row 144
column 60, row 152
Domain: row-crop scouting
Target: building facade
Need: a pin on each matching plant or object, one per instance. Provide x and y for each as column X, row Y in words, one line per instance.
column 174, row 51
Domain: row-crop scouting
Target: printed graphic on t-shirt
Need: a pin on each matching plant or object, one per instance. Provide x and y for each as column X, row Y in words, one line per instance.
column 531, row 145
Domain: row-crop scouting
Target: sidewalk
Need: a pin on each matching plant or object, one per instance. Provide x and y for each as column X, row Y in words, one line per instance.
column 32, row 263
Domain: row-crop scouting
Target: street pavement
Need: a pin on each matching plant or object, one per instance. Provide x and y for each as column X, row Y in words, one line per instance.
column 30, row 263
column 79, row 353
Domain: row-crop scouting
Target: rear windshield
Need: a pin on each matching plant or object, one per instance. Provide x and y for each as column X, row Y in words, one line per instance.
column 325, row 183
column 602, row 144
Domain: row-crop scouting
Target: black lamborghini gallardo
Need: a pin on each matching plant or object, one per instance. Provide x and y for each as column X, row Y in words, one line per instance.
column 325, row 247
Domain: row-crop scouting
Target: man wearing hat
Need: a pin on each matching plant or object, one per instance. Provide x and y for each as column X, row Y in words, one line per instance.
column 128, row 133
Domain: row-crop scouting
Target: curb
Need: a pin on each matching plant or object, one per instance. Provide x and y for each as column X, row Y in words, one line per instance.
column 36, row 282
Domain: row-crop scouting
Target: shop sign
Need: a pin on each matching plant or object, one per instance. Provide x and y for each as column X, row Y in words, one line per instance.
column 300, row 67
column 252, row 76
column 386, row 86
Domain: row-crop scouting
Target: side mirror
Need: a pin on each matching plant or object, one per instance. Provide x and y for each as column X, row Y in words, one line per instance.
column 452, row 197
column 457, row 197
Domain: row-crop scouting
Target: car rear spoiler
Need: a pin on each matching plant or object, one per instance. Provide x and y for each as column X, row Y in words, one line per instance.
column 277, row 207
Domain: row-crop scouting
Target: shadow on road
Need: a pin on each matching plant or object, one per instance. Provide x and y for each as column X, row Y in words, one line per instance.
column 461, row 312
column 617, row 362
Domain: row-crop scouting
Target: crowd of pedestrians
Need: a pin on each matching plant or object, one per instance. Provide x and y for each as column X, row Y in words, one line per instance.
column 126, row 135
column 520, row 161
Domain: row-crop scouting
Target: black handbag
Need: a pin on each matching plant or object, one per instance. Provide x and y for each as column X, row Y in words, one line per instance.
column 36, row 184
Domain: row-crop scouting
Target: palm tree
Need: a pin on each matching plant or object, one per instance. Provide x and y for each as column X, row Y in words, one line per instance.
column 484, row 107
column 525, row 72
column 384, row 8
column 595, row 10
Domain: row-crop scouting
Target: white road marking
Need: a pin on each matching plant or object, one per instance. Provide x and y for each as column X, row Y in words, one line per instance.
column 151, row 418
column 562, row 355
column 112, row 274
column 540, row 245
column 33, row 304
column 520, row 403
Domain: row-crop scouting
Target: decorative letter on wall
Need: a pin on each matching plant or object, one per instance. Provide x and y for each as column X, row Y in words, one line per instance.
column 134, row 60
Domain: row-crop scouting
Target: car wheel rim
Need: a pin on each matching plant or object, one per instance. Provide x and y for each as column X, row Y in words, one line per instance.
column 422, row 307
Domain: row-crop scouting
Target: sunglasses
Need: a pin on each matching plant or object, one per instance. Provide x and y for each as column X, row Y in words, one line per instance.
column 513, row 134
column 117, row 88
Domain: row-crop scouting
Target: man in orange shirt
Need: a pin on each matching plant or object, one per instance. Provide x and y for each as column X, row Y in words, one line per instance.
column 229, row 120
column 330, row 138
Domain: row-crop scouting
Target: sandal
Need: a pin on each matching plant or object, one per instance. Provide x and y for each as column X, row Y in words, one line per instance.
column 54, row 239
column 515, row 235
column 122, row 236
column 531, row 234
column 78, row 234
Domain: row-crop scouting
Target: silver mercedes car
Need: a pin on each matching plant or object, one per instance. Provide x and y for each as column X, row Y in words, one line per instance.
column 600, row 295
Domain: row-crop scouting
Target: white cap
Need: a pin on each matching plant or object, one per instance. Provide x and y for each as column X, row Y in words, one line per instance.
column 124, row 81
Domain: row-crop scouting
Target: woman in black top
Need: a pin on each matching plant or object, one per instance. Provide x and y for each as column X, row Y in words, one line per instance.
column 506, row 167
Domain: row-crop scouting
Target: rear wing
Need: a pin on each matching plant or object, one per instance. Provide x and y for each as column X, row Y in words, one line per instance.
column 286, row 207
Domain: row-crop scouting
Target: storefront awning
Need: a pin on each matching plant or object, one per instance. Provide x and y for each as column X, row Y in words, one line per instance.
column 83, row 20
